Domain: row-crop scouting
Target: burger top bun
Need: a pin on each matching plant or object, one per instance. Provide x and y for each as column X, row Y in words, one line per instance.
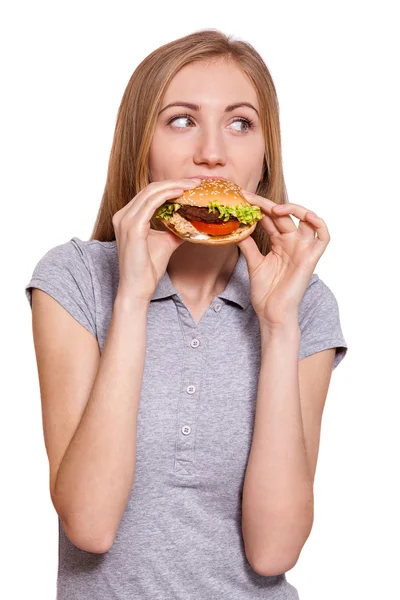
column 213, row 190
column 209, row 190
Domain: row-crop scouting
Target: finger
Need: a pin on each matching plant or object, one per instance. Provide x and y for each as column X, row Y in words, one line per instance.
column 281, row 214
column 268, row 224
column 307, row 228
column 138, row 217
column 147, row 206
column 323, row 236
column 264, row 203
column 251, row 252
column 283, row 222
column 135, row 204
column 294, row 209
column 174, row 241
column 159, row 190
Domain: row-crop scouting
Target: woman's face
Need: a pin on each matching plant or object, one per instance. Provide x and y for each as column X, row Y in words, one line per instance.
column 210, row 140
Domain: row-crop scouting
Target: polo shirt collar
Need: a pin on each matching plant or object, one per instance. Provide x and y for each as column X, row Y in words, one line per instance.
column 237, row 289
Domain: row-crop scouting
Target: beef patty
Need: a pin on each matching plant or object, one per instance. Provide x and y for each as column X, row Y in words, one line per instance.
column 200, row 213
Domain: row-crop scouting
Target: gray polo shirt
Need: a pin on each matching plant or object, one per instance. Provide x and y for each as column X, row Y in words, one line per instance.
column 180, row 535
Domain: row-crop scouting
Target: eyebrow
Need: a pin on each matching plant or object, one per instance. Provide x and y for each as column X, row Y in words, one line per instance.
column 196, row 107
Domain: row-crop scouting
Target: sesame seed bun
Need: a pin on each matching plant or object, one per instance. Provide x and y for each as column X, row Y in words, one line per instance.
column 209, row 190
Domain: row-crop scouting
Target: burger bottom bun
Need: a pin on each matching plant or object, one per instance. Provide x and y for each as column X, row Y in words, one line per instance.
column 185, row 230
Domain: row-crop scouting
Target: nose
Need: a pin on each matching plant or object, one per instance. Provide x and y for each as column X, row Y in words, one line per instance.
column 210, row 148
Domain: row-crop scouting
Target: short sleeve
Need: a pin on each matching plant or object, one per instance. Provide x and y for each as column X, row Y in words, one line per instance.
column 64, row 273
column 319, row 322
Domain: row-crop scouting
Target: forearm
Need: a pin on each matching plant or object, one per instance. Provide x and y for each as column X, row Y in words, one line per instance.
column 277, row 502
column 97, row 471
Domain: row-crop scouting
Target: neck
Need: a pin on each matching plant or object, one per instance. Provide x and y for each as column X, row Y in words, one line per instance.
column 200, row 272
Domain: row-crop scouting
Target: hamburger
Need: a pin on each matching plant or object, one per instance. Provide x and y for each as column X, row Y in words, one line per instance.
column 214, row 212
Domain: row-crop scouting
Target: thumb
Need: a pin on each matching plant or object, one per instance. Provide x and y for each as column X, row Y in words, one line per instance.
column 251, row 252
column 174, row 241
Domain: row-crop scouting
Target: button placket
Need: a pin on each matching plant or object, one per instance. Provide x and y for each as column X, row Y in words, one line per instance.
column 189, row 397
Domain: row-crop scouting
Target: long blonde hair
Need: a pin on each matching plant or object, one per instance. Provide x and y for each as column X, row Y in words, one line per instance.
column 128, row 170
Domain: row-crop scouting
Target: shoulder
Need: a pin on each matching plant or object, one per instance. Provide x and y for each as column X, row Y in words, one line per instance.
column 83, row 277
column 65, row 273
column 102, row 260
column 94, row 253
column 64, row 255
column 317, row 296
column 79, row 255
column 319, row 321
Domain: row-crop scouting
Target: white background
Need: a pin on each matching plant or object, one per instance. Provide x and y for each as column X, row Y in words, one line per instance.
column 65, row 68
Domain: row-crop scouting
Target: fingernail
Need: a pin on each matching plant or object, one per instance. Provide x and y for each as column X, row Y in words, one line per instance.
column 196, row 181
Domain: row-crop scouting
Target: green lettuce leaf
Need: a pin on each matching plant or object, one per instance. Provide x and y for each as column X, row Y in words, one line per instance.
column 244, row 214
column 166, row 210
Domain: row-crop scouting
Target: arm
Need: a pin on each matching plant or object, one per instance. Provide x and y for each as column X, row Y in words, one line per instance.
column 96, row 474
column 278, row 502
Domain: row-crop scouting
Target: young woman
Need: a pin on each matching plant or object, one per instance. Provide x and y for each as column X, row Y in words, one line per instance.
column 183, row 385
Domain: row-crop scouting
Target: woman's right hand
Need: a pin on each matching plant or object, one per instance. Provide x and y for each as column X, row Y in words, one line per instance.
column 144, row 253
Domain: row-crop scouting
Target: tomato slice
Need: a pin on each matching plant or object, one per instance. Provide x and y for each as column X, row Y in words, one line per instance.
column 216, row 228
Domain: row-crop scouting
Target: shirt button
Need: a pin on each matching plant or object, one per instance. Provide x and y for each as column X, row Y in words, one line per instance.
column 186, row 430
column 194, row 343
column 190, row 389
column 217, row 307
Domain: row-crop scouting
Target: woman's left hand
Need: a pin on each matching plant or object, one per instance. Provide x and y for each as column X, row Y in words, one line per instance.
column 279, row 280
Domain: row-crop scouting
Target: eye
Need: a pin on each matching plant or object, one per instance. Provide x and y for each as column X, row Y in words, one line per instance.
column 248, row 122
column 178, row 118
